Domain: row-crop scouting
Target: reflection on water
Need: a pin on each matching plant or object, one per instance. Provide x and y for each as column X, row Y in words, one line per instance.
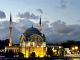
column 75, row 59
column 68, row 59
column 48, row 59
column 58, row 59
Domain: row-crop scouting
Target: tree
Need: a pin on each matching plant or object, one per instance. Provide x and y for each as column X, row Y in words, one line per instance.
column 9, row 54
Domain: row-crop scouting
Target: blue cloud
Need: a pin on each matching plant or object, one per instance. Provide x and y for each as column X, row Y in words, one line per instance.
column 27, row 15
column 2, row 14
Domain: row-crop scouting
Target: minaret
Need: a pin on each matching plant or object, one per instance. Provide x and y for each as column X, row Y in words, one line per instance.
column 40, row 25
column 10, row 32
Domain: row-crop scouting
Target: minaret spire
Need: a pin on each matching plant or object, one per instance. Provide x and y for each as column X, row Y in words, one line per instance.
column 10, row 32
column 40, row 21
column 40, row 25
column 10, row 19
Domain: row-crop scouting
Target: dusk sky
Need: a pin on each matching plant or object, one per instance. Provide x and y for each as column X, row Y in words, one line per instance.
column 53, row 10
column 61, row 18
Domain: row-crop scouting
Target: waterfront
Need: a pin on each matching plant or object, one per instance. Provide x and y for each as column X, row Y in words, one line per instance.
column 40, row 58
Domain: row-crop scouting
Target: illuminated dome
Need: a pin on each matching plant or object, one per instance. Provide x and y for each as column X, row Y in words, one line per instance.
column 31, row 31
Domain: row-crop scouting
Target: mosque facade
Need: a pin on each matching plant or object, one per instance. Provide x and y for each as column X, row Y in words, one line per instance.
column 32, row 41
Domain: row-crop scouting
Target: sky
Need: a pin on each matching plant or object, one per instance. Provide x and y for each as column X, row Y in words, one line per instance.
column 62, row 17
column 65, row 10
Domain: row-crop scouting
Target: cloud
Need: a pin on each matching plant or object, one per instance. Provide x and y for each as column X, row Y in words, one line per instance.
column 27, row 15
column 2, row 14
column 5, row 31
column 78, row 20
column 61, row 27
column 40, row 11
column 59, row 31
column 24, row 24
column 63, row 4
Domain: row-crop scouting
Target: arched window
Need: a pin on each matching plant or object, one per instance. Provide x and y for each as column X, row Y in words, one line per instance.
column 36, row 38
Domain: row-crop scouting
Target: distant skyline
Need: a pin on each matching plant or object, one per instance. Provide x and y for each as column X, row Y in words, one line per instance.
column 61, row 18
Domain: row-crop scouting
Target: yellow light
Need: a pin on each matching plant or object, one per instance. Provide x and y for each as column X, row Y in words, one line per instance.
column 53, row 48
column 72, row 48
column 26, row 53
column 44, row 44
column 41, row 46
column 76, row 47
column 59, row 47
column 37, row 46
column 39, row 52
column 28, row 44
column 33, row 43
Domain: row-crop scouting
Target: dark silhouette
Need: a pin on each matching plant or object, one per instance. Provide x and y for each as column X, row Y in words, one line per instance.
column 70, row 43
column 9, row 54
column 33, row 54
column 2, row 54
column 49, row 51
column 21, row 55
column 4, row 43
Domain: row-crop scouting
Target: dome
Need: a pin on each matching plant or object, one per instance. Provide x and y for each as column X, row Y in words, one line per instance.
column 31, row 31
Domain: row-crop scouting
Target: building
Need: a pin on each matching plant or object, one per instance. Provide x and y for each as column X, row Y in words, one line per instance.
column 15, row 49
column 33, row 41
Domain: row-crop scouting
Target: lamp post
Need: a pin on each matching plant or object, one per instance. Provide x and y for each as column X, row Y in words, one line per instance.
column 75, row 49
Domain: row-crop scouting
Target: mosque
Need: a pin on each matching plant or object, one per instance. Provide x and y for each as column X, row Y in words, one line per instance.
column 31, row 41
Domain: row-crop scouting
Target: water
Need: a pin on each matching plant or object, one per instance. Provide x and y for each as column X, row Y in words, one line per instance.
column 75, row 59
column 67, row 59
column 40, row 59
column 63, row 59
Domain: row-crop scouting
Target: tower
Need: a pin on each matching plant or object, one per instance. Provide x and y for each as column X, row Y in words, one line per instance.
column 10, row 32
column 40, row 21
column 40, row 25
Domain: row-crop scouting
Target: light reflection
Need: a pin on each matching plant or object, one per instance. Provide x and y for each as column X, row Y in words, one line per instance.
column 75, row 59
column 68, row 59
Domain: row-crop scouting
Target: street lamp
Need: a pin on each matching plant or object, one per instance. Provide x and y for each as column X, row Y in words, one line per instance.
column 60, row 47
column 76, row 47
column 73, row 48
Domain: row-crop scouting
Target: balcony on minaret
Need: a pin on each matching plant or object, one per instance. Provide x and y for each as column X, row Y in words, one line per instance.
column 10, row 44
